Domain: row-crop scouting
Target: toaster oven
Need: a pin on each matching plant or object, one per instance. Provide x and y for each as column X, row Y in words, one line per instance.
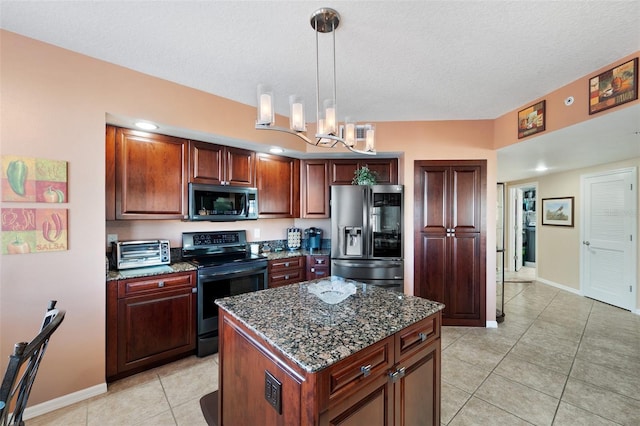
column 137, row 254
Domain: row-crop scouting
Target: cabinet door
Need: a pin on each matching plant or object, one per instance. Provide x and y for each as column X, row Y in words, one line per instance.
column 278, row 182
column 315, row 189
column 466, row 198
column 417, row 390
column 342, row 171
column 465, row 292
column 155, row 327
column 206, row 163
column 110, row 175
column 151, row 175
column 240, row 167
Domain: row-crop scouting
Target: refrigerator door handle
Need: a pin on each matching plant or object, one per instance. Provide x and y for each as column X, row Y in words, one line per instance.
column 368, row 265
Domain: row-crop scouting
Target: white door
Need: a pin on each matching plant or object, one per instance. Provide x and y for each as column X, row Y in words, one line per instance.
column 608, row 271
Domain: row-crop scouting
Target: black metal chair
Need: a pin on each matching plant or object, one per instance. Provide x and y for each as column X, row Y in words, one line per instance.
column 22, row 369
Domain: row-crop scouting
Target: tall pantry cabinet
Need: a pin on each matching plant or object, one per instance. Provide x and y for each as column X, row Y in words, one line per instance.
column 450, row 238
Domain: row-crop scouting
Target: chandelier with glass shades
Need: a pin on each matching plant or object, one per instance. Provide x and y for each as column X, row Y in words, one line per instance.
column 328, row 132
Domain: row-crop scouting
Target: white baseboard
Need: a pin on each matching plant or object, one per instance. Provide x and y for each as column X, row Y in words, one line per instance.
column 560, row 286
column 64, row 401
column 492, row 324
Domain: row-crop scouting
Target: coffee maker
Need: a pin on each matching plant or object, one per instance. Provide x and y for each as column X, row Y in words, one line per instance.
column 314, row 238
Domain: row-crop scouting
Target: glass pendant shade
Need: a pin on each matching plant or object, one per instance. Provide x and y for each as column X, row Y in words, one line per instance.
column 296, row 111
column 370, row 141
column 350, row 131
column 330, row 124
column 266, row 113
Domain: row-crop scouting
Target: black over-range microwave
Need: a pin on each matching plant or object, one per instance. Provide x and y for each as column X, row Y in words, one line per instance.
column 222, row 203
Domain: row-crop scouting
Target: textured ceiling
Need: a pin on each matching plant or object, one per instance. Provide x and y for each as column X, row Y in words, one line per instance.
column 396, row 60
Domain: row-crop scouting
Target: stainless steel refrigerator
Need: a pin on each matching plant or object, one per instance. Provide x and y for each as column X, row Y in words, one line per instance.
column 367, row 234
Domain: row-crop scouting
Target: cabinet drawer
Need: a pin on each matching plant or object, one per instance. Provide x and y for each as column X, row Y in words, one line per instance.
column 288, row 263
column 136, row 286
column 318, row 260
column 288, row 277
column 417, row 336
column 349, row 375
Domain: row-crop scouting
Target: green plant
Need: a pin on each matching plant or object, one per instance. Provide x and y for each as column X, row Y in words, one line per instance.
column 364, row 176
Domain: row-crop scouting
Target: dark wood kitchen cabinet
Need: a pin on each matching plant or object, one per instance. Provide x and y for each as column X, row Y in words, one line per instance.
column 318, row 266
column 450, row 242
column 342, row 171
column 314, row 182
column 394, row 381
column 150, row 321
column 286, row 271
column 146, row 175
column 221, row 165
column 278, row 183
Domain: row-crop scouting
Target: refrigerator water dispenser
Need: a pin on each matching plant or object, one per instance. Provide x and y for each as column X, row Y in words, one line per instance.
column 352, row 240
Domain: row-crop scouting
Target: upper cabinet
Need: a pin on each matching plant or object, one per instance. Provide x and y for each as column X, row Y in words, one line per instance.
column 314, row 182
column 150, row 175
column 278, row 183
column 342, row 171
column 221, row 165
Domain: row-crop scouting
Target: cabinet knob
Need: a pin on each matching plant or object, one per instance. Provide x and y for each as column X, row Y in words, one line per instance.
column 286, row 277
column 160, row 283
column 366, row 370
column 423, row 336
column 286, row 264
column 313, row 269
column 397, row 375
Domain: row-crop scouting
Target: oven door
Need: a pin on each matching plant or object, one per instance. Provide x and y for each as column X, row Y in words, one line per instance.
column 216, row 283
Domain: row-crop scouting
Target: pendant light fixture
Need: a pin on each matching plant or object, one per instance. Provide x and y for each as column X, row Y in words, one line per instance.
column 328, row 132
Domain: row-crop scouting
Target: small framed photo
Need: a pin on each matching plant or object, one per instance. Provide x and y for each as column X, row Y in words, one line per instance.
column 531, row 120
column 614, row 87
column 557, row 211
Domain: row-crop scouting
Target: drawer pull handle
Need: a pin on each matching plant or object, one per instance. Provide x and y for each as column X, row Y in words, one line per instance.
column 397, row 375
column 160, row 283
column 366, row 370
column 423, row 336
column 286, row 264
column 320, row 261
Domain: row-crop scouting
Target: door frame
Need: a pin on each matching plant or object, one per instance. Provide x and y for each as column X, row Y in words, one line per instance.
column 512, row 205
column 633, row 201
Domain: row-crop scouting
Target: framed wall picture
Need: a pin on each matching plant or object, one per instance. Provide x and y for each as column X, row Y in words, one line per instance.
column 614, row 87
column 531, row 120
column 557, row 211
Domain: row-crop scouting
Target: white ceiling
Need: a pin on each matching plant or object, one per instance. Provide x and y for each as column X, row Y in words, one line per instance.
column 396, row 60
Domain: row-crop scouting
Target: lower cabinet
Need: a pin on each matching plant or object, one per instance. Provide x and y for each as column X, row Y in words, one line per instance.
column 395, row 381
column 150, row 321
column 286, row 271
column 318, row 266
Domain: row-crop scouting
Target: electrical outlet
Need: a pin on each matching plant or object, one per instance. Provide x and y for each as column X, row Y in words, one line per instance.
column 112, row 238
column 273, row 391
column 256, row 232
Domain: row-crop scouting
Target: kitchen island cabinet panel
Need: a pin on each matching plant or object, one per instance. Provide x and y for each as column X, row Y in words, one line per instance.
column 286, row 271
column 150, row 321
column 330, row 368
column 150, row 175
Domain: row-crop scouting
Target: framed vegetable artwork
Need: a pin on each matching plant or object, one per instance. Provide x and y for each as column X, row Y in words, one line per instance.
column 36, row 180
column 614, row 87
column 531, row 120
column 33, row 230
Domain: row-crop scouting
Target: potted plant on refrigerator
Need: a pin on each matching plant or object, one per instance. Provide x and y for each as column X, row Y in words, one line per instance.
column 364, row 176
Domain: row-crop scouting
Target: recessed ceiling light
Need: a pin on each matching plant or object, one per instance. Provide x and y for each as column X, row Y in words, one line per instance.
column 276, row 150
column 541, row 168
column 144, row 125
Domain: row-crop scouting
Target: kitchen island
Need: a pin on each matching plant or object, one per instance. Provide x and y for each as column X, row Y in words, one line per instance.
column 287, row 357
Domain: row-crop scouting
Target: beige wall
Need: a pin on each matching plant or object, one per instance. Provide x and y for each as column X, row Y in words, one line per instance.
column 53, row 105
column 558, row 248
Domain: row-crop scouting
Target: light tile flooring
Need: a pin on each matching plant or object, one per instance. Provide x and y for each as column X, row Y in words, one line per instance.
column 558, row 358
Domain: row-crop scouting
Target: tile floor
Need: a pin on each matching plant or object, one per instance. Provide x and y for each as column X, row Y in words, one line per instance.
column 558, row 358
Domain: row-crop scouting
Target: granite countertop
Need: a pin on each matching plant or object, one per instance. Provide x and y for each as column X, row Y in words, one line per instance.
column 283, row 254
column 315, row 334
column 150, row 270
